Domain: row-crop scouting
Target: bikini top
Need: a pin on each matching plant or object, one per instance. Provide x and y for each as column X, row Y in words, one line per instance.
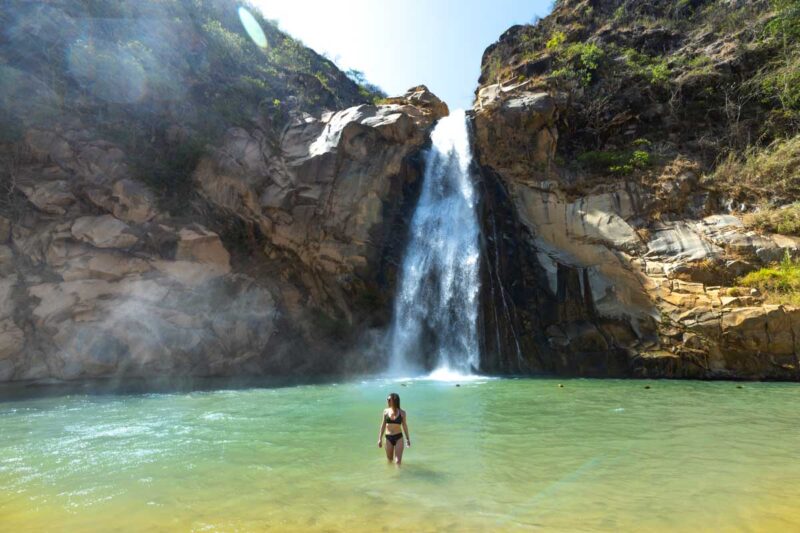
column 398, row 420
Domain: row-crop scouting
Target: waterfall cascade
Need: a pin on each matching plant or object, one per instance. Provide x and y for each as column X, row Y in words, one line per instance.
column 436, row 308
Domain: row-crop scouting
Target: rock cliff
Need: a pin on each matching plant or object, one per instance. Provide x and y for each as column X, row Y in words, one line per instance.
column 611, row 238
column 178, row 197
column 240, row 212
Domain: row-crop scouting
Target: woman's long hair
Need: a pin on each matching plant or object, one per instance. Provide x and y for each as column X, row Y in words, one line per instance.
column 395, row 398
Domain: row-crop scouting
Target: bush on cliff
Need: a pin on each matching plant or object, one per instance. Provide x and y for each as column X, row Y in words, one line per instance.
column 133, row 71
column 620, row 162
column 771, row 173
column 779, row 283
column 784, row 220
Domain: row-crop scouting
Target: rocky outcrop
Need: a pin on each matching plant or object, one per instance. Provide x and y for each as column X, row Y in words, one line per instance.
column 331, row 195
column 601, row 289
column 519, row 126
column 97, row 281
column 599, row 264
column 176, row 199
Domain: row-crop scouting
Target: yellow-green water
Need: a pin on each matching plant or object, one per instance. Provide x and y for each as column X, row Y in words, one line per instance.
column 498, row 455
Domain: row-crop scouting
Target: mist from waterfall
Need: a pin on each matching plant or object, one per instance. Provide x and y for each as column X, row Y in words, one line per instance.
column 436, row 307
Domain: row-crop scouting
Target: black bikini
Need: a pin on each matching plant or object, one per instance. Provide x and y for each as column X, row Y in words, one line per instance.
column 398, row 420
column 397, row 436
column 394, row 438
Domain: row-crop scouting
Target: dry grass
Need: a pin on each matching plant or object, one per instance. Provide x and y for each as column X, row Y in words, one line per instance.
column 771, row 174
column 784, row 220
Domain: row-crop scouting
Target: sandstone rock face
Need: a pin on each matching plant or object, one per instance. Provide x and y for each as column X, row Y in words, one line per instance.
column 518, row 125
column 96, row 281
column 580, row 280
column 103, row 232
column 117, row 294
column 708, row 334
column 614, row 231
column 330, row 195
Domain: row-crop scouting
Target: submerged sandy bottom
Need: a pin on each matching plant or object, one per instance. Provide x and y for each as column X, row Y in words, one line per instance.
column 499, row 455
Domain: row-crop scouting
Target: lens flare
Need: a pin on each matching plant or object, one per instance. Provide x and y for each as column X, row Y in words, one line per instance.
column 252, row 27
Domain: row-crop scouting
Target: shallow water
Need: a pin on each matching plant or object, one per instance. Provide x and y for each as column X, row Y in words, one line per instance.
column 596, row 455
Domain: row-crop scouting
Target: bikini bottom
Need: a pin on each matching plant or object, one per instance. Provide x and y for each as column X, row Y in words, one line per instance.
column 393, row 438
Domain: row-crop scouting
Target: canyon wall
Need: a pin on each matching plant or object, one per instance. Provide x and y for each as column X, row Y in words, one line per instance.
column 611, row 242
column 177, row 201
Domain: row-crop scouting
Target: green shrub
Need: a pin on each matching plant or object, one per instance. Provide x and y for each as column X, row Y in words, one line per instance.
column 578, row 62
column 655, row 70
column 615, row 162
column 779, row 283
column 786, row 22
column 556, row 40
column 783, row 83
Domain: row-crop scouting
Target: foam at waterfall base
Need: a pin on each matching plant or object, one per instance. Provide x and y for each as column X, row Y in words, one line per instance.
column 447, row 374
column 444, row 374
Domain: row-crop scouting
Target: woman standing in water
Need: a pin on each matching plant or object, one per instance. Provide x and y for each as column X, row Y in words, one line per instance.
column 393, row 424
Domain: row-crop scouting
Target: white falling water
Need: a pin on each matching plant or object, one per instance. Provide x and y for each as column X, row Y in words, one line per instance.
column 436, row 307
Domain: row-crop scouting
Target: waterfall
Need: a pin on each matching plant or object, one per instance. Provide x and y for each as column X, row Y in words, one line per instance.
column 436, row 308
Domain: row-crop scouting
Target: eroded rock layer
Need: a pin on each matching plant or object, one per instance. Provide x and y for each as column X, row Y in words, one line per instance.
column 97, row 281
column 610, row 249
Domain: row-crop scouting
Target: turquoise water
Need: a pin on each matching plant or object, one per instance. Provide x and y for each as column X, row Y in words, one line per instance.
column 498, row 455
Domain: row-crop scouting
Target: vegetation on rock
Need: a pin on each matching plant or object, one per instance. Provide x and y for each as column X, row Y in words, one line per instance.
column 160, row 79
column 779, row 283
column 714, row 82
column 771, row 173
column 784, row 220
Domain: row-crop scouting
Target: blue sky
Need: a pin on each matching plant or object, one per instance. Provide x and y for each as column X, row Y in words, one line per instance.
column 402, row 44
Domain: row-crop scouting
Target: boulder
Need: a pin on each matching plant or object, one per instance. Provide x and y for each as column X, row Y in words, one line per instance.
column 133, row 201
column 12, row 339
column 95, row 160
column 52, row 197
column 421, row 98
column 202, row 246
column 679, row 242
column 97, row 264
column 103, row 232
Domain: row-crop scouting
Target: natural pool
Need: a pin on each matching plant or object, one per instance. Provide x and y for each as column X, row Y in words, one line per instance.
column 496, row 455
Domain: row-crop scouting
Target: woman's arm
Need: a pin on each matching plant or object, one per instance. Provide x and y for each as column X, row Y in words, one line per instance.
column 380, row 432
column 405, row 429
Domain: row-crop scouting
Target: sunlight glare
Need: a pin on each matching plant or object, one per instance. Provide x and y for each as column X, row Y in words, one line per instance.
column 252, row 27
